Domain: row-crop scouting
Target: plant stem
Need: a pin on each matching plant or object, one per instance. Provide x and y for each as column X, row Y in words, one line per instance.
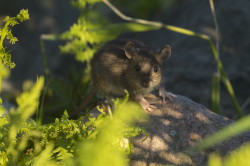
column 154, row 23
column 211, row 2
column 45, row 61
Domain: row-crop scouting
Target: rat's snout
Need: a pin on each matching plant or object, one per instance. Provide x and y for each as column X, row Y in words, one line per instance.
column 145, row 82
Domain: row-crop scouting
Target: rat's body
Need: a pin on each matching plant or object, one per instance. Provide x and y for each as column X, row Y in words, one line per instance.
column 129, row 65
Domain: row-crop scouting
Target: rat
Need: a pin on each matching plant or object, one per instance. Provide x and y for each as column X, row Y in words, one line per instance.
column 124, row 64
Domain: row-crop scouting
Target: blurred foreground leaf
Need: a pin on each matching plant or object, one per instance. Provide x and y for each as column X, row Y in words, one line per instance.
column 237, row 157
column 109, row 146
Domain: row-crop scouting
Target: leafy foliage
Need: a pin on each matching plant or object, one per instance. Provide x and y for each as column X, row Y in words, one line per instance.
column 14, row 136
column 23, row 142
column 5, row 33
column 26, row 142
column 92, row 30
column 108, row 144
column 86, row 35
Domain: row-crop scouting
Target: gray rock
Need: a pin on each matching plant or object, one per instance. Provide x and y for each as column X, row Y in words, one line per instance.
column 174, row 128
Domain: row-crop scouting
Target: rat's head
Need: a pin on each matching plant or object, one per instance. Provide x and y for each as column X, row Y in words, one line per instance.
column 145, row 69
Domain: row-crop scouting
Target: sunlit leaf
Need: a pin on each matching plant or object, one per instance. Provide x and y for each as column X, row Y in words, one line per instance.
column 237, row 157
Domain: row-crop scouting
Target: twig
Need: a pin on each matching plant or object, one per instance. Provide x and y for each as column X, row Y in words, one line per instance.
column 154, row 23
column 124, row 17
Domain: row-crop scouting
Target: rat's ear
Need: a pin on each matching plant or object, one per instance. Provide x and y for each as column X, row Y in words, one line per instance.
column 165, row 52
column 130, row 50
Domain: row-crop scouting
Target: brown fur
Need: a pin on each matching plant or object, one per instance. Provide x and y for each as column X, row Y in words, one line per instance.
column 113, row 71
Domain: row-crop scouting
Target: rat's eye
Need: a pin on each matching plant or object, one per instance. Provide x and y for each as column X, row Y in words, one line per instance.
column 156, row 68
column 138, row 68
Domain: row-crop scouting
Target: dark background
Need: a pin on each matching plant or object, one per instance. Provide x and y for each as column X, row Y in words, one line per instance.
column 191, row 67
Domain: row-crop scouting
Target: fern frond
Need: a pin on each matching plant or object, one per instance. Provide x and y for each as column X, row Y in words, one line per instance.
column 23, row 15
column 28, row 101
column 15, row 132
column 62, row 153
column 45, row 157
column 5, row 33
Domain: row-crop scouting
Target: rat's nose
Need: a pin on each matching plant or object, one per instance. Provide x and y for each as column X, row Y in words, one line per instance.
column 145, row 83
column 145, row 80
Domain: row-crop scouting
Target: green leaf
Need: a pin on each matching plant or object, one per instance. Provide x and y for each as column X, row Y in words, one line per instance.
column 23, row 15
column 62, row 153
column 28, row 101
column 237, row 157
column 44, row 158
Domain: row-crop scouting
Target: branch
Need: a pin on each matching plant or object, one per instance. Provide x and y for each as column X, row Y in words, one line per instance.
column 124, row 17
column 154, row 23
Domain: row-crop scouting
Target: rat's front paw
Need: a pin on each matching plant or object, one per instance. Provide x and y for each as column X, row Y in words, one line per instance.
column 164, row 94
column 146, row 105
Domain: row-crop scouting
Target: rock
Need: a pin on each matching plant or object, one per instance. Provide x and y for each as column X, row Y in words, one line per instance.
column 174, row 128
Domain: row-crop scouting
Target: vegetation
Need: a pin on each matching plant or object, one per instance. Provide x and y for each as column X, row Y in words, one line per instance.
column 64, row 142
column 102, row 140
column 237, row 157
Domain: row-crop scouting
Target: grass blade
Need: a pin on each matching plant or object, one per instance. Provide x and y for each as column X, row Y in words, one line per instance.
column 234, row 129
column 216, row 93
